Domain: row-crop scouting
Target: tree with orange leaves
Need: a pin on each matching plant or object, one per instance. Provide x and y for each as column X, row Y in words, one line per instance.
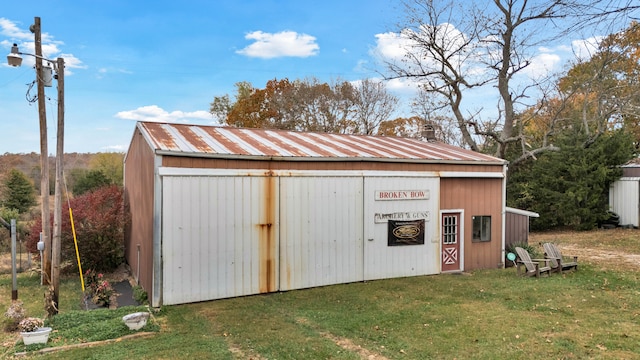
column 594, row 97
column 308, row 105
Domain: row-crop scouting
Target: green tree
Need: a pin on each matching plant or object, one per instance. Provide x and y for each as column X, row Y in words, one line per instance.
column 569, row 187
column 89, row 180
column 18, row 192
column 111, row 165
column 606, row 88
column 592, row 124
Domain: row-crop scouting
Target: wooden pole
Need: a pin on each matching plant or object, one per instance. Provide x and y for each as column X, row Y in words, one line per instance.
column 57, row 213
column 44, row 155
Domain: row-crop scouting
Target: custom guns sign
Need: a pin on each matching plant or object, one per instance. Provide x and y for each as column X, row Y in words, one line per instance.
column 404, row 227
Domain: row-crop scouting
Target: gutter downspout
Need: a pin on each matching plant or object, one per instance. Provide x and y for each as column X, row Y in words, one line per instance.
column 156, row 298
column 504, row 214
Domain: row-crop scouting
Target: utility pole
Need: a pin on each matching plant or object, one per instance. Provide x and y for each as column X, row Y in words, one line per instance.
column 44, row 154
column 50, row 252
column 57, row 212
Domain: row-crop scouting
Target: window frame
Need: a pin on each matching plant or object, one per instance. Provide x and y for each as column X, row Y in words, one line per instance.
column 483, row 234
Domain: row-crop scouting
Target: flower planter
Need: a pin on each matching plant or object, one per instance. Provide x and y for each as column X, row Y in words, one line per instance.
column 136, row 321
column 40, row 336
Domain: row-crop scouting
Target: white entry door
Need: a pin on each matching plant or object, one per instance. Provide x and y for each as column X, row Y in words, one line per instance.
column 395, row 210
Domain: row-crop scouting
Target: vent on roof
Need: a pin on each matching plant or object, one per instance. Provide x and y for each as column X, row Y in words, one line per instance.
column 429, row 133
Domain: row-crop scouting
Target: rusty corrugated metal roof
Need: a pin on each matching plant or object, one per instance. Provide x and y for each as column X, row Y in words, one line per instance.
column 219, row 141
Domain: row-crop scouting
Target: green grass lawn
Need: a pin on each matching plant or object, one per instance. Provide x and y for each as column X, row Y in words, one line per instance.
column 489, row 314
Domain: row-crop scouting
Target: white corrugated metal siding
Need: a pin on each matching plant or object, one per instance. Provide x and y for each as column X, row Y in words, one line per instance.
column 321, row 231
column 382, row 261
column 211, row 243
column 213, row 246
column 624, row 200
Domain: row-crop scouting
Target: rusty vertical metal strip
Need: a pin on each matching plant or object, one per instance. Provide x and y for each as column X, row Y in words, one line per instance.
column 268, row 236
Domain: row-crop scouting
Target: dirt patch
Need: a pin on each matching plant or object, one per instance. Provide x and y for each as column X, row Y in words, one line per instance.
column 238, row 353
column 21, row 259
column 613, row 249
column 605, row 259
column 347, row 344
column 120, row 274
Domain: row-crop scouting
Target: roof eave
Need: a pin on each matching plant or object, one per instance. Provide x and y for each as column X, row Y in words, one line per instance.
column 328, row 159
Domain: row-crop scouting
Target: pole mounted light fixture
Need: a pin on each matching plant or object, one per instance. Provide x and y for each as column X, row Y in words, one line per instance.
column 14, row 58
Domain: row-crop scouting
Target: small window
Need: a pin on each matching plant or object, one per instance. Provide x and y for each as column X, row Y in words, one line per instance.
column 481, row 228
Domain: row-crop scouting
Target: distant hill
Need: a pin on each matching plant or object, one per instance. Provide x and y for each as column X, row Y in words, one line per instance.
column 29, row 164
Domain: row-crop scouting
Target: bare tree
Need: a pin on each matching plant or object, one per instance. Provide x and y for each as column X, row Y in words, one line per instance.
column 445, row 126
column 453, row 47
column 373, row 105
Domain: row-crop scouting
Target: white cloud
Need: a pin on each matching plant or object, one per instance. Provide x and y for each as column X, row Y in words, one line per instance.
column 585, row 48
column 564, row 48
column 70, row 61
column 402, row 86
column 157, row 114
column 392, row 46
column 402, row 50
column 542, row 64
column 282, row 44
column 25, row 40
column 10, row 29
column 103, row 72
column 469, row 58
column 115, row 148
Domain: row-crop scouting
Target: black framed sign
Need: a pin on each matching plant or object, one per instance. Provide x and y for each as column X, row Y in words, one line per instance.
column 405, row 232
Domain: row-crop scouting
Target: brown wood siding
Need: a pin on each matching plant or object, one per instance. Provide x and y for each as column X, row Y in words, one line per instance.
column 631, row 171
column 212, row 163
column 477, row 197
column 516, row 229
column 139, row 186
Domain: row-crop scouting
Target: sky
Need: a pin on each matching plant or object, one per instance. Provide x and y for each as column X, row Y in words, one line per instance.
column 128, row 61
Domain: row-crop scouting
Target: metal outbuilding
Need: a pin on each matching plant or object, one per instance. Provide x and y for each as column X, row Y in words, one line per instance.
column 517, row 225
column 219, row 212
column 624, row 195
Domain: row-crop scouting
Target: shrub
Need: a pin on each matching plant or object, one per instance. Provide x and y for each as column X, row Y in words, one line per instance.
column 139, row 295
column 13, row 316
column 5, row 236
column 99, row 220
column 97, row 288
column 30, row 324
column 533, row 251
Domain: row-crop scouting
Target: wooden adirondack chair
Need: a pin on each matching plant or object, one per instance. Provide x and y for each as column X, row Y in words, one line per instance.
column 558, row 263
column 532, row 266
